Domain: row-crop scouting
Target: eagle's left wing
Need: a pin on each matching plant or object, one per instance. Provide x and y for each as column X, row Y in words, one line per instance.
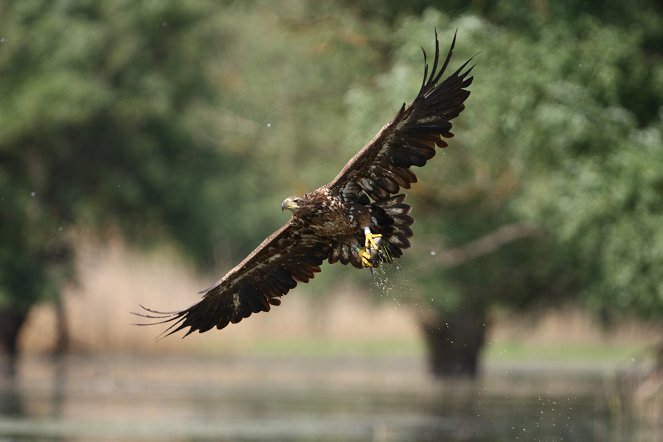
column 289, row 255
column 382, row 167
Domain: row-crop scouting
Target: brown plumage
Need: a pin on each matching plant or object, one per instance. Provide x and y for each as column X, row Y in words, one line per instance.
column 334, row 222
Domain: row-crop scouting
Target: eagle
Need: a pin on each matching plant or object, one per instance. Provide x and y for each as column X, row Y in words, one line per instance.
column 359, row 218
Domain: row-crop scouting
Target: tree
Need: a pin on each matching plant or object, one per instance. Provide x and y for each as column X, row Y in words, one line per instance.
column 541, row 137
column 97, row 134
column 153, row 118
column 133, row 122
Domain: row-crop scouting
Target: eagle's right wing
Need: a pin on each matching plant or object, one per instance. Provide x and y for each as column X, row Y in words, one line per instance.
column 289, row 255
column 383, row 166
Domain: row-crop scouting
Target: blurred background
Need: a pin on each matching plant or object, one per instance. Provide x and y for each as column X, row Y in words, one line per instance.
column 145, row 148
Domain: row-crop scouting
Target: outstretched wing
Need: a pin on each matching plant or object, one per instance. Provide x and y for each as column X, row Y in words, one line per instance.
column 382, row 167
column 291, row 254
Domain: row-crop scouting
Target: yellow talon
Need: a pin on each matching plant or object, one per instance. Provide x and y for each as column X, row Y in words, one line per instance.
column 365, row 258
column 371, row 239
column 371, row 247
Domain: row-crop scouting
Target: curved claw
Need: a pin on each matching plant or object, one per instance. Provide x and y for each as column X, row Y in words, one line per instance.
column 366, row 259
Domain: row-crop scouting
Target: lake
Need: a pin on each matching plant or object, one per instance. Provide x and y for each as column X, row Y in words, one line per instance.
column 270, row 398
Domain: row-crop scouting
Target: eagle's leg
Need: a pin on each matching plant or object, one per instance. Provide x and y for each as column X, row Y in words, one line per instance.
column 371, row 247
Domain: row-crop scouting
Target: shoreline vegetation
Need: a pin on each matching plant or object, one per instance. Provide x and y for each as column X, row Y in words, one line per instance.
column 343, row 321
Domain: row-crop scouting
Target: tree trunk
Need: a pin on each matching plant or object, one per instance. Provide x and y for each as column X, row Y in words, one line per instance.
column 454, row 342
column 11, row 322
column 61, row 331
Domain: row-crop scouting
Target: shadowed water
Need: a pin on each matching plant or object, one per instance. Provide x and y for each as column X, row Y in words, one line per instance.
column 299, row 399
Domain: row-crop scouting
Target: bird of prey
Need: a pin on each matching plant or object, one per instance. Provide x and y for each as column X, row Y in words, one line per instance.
column 359, row 218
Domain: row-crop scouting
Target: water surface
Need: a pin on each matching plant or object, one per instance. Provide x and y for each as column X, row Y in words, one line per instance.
column 181, row 398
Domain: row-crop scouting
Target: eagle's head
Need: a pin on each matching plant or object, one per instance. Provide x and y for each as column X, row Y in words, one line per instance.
column 299, row 205
column 292, row 203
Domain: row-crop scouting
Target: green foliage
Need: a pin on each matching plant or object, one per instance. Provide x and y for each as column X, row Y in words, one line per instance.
column 592, row 163
column 191, row 121
column 607, row 210
column 96, row 131
column 162, row 121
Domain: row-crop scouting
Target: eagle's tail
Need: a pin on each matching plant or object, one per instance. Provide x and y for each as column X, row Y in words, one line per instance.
column 395, row 229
